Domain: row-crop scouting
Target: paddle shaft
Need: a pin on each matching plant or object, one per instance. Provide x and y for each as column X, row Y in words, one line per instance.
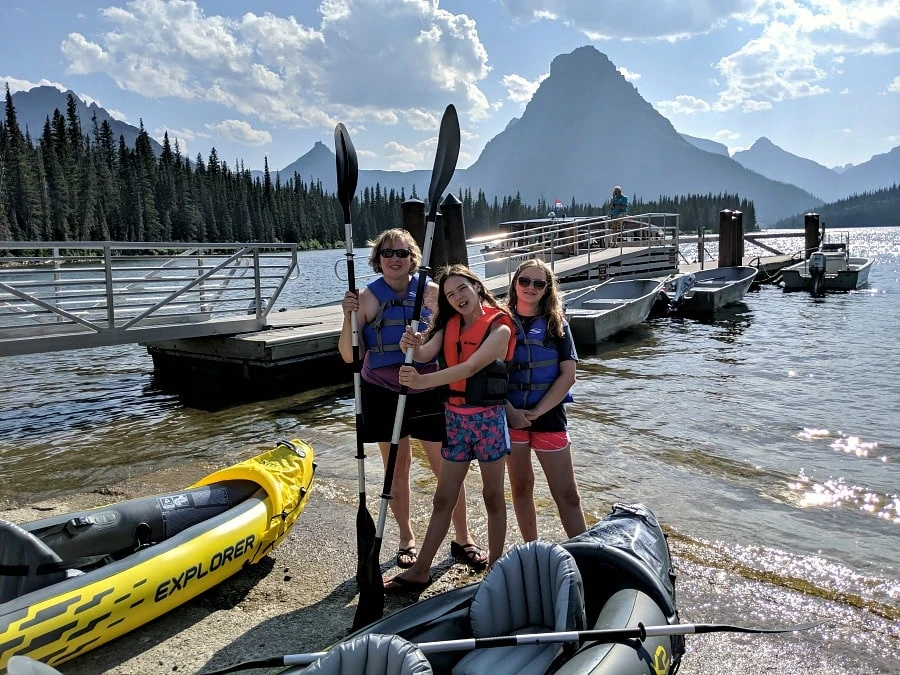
column 444, row 166
column 640, row 632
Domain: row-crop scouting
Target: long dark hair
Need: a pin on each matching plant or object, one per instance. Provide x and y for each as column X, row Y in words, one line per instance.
column 550, row 305
column 445, row 310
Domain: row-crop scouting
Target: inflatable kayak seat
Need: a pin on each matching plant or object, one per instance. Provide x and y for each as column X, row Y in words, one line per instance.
column 372, row 655
column 534, row 588
column 26, row 563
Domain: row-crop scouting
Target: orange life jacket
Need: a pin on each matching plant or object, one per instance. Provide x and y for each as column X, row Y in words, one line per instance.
column 489, row 385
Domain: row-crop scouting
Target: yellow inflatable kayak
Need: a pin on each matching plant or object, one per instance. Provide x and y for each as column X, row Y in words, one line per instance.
column 72, row 582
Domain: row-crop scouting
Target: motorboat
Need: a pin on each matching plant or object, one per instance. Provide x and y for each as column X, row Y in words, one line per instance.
column 830, row 268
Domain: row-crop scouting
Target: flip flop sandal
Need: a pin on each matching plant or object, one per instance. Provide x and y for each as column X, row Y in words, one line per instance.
column 470, row 554
column 411, row 554
column 400, row 585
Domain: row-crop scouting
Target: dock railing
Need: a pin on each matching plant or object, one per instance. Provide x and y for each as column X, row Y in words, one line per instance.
column 99, row 293
column 559, row 238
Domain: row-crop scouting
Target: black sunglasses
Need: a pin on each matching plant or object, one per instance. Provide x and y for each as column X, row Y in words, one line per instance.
column 391, row 252
column 525, row 282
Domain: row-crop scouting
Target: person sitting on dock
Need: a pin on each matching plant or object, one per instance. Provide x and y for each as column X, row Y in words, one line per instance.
column 541, row 374
column 385, row 308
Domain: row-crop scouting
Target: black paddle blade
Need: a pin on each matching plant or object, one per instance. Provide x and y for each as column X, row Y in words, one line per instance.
column 444, row 160
column 368, row 571
column 347, row 168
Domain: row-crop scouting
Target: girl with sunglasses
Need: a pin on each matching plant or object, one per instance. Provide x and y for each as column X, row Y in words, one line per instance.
column 541, row 375
column 385, row 308
column 473, row 334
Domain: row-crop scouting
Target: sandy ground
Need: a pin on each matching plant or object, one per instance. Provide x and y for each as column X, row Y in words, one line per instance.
column 303, row 599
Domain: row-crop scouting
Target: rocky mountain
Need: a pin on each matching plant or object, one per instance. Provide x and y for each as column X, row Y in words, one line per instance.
column 768, row 159
column 705, row 144
column 34, row 106
column 587, row 129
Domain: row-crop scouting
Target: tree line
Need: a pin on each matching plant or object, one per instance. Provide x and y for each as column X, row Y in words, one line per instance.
column 878, row 208
column 68, row 185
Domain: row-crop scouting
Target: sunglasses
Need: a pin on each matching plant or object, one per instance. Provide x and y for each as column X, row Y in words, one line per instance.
column 525, row 282
column 391, row 252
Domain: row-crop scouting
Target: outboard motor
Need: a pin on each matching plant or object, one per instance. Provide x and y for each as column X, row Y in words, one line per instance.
column 683, row 284
column 816, row 266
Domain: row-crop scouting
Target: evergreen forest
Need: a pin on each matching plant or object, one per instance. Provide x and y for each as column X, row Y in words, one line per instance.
column 67, row 185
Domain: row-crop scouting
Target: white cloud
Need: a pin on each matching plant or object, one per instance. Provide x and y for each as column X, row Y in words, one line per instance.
column 15, row 84
column 725, row 136
column 279, row 71
column 631, row 19
column 791, row 50
column 421, row 120
column 240, row 132
column 894, row 86
column 117, row 114
column 628, row 75
column 519, row 89
column 684, row 105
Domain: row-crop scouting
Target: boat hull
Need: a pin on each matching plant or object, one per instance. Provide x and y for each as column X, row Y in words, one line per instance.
column 60, row 621
column 797, row 277
column 598, row 313
column 715, row 289
column 627, row 575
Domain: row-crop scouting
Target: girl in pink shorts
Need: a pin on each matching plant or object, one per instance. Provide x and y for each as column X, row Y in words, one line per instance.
column 473, row 334
column 541, row 374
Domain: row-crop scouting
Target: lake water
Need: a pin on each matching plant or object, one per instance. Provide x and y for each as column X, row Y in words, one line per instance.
column 771, row 432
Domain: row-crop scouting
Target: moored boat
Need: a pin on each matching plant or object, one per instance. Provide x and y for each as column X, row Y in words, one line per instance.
column 830, row 268
column 703, row 293
column 599, row 312
column 616, row 575
column 74, row 581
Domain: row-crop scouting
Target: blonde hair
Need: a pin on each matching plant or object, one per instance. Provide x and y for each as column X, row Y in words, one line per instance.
column 550, row 305
column 415, row 253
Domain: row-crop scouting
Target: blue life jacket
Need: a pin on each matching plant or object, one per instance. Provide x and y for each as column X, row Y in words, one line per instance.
column 383, row 333
column 535, row 365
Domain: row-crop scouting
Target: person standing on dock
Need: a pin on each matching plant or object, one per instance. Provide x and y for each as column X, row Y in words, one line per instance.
column 541, row 376
column 385, row 308
column 618, row 207
column 473, row 333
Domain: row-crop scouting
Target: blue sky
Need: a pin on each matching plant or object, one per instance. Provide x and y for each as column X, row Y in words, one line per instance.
column 820, row 78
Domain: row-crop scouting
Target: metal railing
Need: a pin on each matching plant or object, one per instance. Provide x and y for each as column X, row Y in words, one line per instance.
column 561, row 238
column 97, row 293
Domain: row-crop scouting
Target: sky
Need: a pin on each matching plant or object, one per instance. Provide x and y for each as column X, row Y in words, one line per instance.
column 265, row 79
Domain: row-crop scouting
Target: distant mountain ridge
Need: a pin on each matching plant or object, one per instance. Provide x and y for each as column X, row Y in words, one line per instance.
column 34, row 106
column 705, row 144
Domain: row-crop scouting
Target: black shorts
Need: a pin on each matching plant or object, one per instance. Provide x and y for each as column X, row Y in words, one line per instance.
column 423, row 416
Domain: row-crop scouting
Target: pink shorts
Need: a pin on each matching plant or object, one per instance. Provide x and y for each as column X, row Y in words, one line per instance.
column 541, row 441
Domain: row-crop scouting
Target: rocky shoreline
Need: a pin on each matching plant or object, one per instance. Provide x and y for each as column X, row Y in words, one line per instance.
column 303, row 599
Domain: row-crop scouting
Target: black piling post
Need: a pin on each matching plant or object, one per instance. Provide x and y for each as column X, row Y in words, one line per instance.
column 454, row 232
column 811, row 232
column 413, row 214
column 725, row 238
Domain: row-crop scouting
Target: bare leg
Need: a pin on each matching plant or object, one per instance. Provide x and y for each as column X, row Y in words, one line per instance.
column 521, row 483
column 492, row 474
column 399, row 501
column 451, row 476
column 561, row 480
column 459, row 517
